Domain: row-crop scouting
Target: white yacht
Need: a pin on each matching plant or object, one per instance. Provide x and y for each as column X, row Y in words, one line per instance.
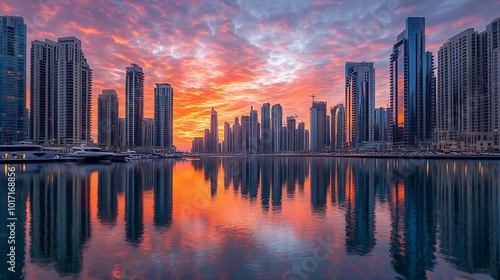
column 90, row 154
column 26, row 151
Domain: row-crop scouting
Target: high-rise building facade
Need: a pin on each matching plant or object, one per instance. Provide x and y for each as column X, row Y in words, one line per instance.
column 254, row 131
column 134, row 105
column 492, row 38
column 318, row 126
column 60, row 92
column 359, row 102
column 214, row 132
column 107, row 118
column 12, row 79
column 338, row 127
column 73, row 93
column 276, row 127
column 266, row 135
column 42, row 92
column 412, row 88
column 164, row 116
column 467, row 97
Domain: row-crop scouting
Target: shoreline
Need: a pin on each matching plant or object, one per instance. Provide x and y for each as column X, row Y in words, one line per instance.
column 386, row 156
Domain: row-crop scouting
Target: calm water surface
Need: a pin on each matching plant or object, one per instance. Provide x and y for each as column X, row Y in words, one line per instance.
column 256, row 218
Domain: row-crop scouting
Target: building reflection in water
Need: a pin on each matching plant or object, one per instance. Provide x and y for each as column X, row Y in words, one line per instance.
column 134, row 226
column 359, row 206
column 277, row 182
column 163, row 193
column 110, row 181
column 320, row 176
column 60, row 217
column 469, row 215
column 412, row 205
column 438, row 210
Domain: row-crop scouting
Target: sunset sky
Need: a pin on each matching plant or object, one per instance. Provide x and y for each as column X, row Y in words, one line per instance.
column 233, row 54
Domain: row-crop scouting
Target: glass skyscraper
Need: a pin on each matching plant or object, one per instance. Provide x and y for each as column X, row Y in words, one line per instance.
column 412, row 88
column 164, row 116
column 12, row 79
column 134, row 105
column 360, row 102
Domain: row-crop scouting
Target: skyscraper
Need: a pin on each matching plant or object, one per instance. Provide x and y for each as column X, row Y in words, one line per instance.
column 73, row 92
column 245, row 134
column 338, row 127
column 360, row 102
column 134, row 105
column 492, row 39
column 12, row 79
column 107, row 118
column 318, row 126
column 60, row 92
column 266, row 136
column 276, row 124
column 412, row 88
column 42, row 92
column 164, row 116
column 214, row 132
column 291, row 133
column 254, row 131
column 467, row 98
column 237, row 135
column 301, row 141
column 227, row 145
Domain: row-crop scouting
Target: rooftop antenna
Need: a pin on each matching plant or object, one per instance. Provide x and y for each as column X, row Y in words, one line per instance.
column 313, row 96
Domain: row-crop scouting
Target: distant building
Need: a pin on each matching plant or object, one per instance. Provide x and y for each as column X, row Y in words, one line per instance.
column 338, row 127
column 359, row 102
column 266, row 135
column 307, row 141
column 148, row 132
column 291, row 133
column 412, row 88
column 121, row 132
column 12, row 79
column 164, row 116
column 214, row 132
column 206, row 141
column 254, row 131
column 276, row 124
column 301, row 137
column 382, row 125
column 245, row 134
column 318, row 126
column 107, row 118
column 134, row 105
column 237, row 140
column 197, row 145
column 227, row 144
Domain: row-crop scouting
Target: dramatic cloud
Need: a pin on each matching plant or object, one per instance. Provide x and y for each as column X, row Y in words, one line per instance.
column 233, row 54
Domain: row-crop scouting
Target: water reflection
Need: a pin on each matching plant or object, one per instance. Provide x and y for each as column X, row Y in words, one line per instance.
column 412, row 219
column 60, row 217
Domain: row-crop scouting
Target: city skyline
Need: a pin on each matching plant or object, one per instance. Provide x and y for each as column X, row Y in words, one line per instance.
column 199, row 60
